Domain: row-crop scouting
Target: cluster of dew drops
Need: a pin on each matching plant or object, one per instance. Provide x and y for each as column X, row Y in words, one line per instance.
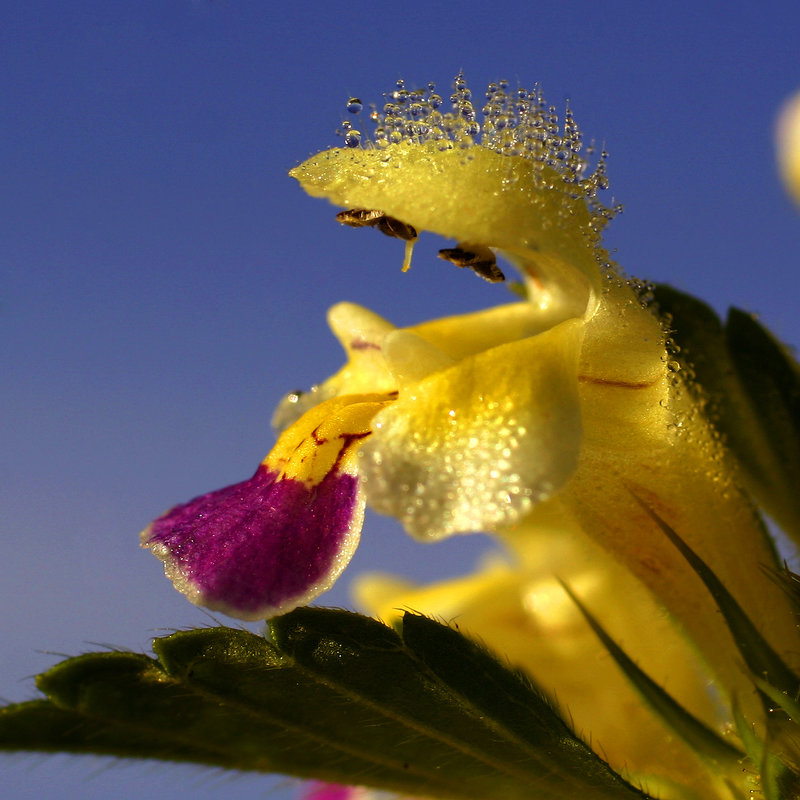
column 511, row 122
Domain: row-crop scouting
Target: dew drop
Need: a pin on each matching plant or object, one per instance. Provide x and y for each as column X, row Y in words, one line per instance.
column 352, row 138
column 518, row 123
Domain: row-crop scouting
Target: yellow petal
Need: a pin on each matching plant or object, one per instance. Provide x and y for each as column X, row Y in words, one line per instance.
column 677, row 467
column 474, row 195
column 410, row 358
column 467, row 334
column 474, row 446
column 361, row 333
column 326, row 438
column 471, row 195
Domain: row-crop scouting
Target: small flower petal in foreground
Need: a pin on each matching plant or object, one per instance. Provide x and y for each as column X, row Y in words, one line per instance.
column 273, row 542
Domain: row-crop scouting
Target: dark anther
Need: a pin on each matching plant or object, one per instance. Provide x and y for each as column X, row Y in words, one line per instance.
column 364, row 218
column 359, row 217
column 478, row 258
column 399, row 230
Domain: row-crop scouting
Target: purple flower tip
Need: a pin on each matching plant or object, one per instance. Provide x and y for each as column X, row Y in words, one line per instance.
column 261, row 547
column 331, row 791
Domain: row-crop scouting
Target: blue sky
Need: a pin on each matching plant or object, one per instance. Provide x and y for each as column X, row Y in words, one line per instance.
column 164, row 282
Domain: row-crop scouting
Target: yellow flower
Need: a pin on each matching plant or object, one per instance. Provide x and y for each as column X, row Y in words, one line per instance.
column 561, row 423
column 570, row 393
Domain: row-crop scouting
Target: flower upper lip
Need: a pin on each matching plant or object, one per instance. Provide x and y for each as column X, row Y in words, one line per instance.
column 466, row 197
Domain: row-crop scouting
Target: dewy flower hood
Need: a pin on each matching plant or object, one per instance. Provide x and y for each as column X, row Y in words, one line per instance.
column 567, row 402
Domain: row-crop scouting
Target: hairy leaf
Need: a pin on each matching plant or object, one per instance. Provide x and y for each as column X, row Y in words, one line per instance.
column 335, row 696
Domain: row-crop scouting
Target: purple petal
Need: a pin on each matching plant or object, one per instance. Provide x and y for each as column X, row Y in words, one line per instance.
column 330, row 791
column 261, row 547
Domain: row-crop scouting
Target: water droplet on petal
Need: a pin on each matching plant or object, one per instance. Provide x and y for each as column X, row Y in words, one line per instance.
column 352, row 138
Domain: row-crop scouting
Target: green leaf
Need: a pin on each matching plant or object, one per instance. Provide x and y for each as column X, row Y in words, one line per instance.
column 701, row 739
column 337, row 697
column 770, row 379
column 790, row 583
column 779, row 780
column 752, row 386
column 515, row 709
column 784, row 738
column 41, row 725
column 444, row 711
column 697, row 331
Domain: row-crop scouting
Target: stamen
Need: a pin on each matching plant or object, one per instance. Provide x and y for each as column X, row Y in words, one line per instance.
column 364, row 218
column 481, row 260
column 407, row 256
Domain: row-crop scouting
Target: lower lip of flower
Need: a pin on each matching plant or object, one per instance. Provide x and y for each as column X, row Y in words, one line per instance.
column 230, row 550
